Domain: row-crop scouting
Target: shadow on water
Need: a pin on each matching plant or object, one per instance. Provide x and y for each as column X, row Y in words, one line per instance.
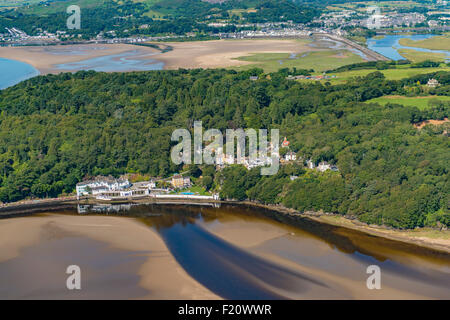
column 368, row 249
column 227, row 270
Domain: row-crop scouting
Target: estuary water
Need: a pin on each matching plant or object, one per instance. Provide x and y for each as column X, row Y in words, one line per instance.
column 233, row 251
column 388, row 45
column 13, row 72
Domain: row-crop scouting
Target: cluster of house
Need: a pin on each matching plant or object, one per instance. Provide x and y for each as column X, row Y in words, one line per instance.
column 432, row 83
column 109, row 187
column 322, row 166
column 318, row 77
column 222, row 159
column 102, row 187
column 180, row 182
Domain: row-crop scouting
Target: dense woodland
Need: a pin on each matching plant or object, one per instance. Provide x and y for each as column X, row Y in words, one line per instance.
column 56, row 130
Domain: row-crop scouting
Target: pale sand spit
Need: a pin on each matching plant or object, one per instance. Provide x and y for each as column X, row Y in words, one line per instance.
column 160, row 274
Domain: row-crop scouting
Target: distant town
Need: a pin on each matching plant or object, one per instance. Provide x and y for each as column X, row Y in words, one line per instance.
column 337, row 23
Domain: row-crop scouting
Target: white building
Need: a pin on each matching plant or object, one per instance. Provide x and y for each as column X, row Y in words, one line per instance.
column 290, row 156
column 101, row 184
column 324, row 166
column 432, row 83
column 310, row 164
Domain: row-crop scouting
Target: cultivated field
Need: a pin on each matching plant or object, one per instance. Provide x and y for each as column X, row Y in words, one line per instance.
column 416, row 56
column 317, row 60
column 391, row 74
column 419, row 102
column 434, row 43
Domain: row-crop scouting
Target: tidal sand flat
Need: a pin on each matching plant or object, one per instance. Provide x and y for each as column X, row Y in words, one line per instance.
column 168, row 251
column 223, row 53
column 101, row 57
column 335, row 260
column 119, row 258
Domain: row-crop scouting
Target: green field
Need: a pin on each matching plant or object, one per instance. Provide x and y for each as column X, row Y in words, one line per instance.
column 390, row 74
column 419, row 102
column 362, row 6
column 435, row 43
column 17, row 3
column 416, row 56
column 60, row 6
column 317, row 60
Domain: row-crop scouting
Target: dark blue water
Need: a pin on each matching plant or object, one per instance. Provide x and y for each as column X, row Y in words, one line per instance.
column 12, row 72
column 388, row 46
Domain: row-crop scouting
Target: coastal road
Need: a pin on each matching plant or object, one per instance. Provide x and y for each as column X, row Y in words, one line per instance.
column 371, row 55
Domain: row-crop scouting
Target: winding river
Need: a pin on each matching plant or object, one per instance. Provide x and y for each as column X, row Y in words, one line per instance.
column 389, row 45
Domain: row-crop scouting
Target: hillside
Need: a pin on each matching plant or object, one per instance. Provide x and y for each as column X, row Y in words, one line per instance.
column 152, row 17
column 57, row 129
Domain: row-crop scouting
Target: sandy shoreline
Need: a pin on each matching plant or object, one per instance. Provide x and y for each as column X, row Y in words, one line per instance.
column 188, row 55
column 407, row 236
column 161, row 275
column 332, row 274
column 223, row 53
column 45, row 58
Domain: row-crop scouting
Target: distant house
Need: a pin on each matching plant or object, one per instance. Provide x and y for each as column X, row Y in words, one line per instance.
column 324, row 166
column 310, row 164
column 432, row 83
column 224, row 159
column 254, row 78
column 151, row 184
column 433, row 23
column 178, row 181
column 290, row 156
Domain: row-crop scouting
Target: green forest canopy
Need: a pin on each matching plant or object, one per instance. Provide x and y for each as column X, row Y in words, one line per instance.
column 57, row 129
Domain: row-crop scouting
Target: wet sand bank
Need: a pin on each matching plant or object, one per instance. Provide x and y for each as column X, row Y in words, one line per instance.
column 189, row 55
column 145, row 265
column 205, row 252
column 47, row 58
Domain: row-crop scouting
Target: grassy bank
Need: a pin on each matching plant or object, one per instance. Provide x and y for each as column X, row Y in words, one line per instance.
column 417, row 56
column 434, row 43
column 317, row 60
column 399, row 73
